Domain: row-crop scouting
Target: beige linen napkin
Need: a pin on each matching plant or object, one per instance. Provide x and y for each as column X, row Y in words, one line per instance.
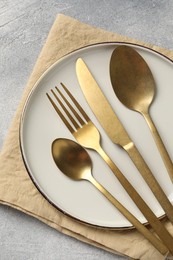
column 16, row 188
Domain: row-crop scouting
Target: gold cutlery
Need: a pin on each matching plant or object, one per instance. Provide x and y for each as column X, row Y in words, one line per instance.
column 134, row 85
column 87, row 135
column 74, row 161
column 117, row 133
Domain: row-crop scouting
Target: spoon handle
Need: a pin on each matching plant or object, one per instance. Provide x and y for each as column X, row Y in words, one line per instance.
column 155, row 223
column 133, row 220
column 161, row 147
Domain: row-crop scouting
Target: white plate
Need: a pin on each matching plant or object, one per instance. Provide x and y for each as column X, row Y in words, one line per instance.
column 40, row 125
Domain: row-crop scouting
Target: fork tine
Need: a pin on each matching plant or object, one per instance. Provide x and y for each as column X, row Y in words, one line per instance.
column 76, row 125
column 70, row 128
column 76, row 103
column 71, row 107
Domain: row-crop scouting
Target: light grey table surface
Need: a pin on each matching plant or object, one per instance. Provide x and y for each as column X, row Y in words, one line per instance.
column 24, row 26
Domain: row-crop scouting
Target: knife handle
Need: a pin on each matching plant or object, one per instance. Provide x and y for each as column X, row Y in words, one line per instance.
column 155, row 223
column 149, row 178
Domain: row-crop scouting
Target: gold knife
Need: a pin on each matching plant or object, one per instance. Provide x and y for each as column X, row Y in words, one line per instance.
column 117, row 133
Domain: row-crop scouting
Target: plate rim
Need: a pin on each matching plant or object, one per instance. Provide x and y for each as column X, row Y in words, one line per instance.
column 35, row 85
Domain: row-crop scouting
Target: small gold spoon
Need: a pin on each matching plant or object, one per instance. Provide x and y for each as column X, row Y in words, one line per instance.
column 74, row 161
column 134, row 85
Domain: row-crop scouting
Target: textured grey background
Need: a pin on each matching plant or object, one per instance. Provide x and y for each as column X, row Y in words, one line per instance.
column 24, row 25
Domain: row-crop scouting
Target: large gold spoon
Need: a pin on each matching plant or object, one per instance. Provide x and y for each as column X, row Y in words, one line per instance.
column 74, row 161
column 134, row 85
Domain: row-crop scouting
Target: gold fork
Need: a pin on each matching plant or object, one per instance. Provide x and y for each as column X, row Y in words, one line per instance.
column 87, row 135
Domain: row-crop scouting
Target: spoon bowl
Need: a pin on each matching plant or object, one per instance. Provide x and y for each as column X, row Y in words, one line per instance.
column 71, row 159
column 132, row 79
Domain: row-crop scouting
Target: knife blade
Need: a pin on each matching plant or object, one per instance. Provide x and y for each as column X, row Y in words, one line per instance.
column 102, row 109
column 116, row 131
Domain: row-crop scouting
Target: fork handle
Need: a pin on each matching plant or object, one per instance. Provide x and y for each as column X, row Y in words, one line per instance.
column 133, row 220
column 150, row 179
column 157, row 226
